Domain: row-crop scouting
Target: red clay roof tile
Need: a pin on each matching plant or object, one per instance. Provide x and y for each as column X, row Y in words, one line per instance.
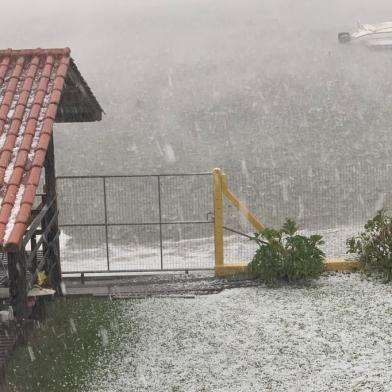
column 21, row 158
column 29, row 194
column 5, row 212
column 3, row 161
column 21, row 71
column 34, row 177
column 30, row 127
column 58, row 84
column 24, row 213
column 39, row 158
column 14, row 237
column 31, row 86
column 26, row 143
column 14, row 128
column 3, row 115
column 16, row 176
column 51, row 111
column 44, row 140
column 9, row 143
column 56, row 96
column 62, row 70
column 35, row 109
column 11, row 194
column 18, row 113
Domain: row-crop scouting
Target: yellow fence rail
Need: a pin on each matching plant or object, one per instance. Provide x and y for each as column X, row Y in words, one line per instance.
column 221, row 190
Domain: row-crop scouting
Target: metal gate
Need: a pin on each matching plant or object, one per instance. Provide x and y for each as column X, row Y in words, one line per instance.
column 136, row 223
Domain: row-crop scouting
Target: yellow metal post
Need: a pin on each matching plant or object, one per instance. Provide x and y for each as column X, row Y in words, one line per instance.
column 218, row 217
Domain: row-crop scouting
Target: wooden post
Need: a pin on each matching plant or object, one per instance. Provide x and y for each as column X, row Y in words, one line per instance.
column 218, row 217
column 53, row 249
column 34, row 262
column 18, row 283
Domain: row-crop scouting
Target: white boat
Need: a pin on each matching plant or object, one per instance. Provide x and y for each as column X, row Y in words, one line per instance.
column 377, row 36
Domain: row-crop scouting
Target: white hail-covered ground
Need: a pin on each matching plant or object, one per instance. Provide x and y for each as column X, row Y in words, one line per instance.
column 187, row 253
column 332, row 336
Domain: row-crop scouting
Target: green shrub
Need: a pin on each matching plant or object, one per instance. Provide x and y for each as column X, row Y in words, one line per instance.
column 374, row 245
column 284, row 256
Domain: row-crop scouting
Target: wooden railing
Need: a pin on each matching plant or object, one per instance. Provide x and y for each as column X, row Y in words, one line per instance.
column 24, row 264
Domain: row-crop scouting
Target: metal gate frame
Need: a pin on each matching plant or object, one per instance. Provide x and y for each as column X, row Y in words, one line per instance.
column 160, row 223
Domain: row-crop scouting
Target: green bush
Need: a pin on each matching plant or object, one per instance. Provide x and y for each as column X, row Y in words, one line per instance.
column 374, row 245
column 284, row 256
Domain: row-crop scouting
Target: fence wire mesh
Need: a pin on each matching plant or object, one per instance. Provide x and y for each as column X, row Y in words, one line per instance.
column 136, row 223
column 332, row 201
column 152, row 223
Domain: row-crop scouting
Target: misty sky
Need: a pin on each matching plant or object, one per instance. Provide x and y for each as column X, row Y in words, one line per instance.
column 189, row 85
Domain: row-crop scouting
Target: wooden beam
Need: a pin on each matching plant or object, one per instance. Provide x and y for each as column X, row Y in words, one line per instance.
column 46, row 254
column 218, row 217
column 36, row 222
column 18, row 283
column 244, row 210
column 50, row 221
column 241, row 207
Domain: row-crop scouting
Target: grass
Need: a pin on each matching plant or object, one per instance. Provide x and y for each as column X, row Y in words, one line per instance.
column 63, row 351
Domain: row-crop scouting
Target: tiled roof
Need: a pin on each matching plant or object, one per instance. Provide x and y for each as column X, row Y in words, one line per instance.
column 37, row 88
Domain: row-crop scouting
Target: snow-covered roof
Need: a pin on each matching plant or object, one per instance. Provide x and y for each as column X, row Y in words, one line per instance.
column 37, row 88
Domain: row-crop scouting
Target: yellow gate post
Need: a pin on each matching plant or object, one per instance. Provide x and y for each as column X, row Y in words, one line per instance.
column 218, row 217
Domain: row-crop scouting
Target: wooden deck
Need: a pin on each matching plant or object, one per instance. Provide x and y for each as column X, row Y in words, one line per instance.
column 154, row 285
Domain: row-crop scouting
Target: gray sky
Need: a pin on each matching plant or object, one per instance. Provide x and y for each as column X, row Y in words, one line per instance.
column 212, row 79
